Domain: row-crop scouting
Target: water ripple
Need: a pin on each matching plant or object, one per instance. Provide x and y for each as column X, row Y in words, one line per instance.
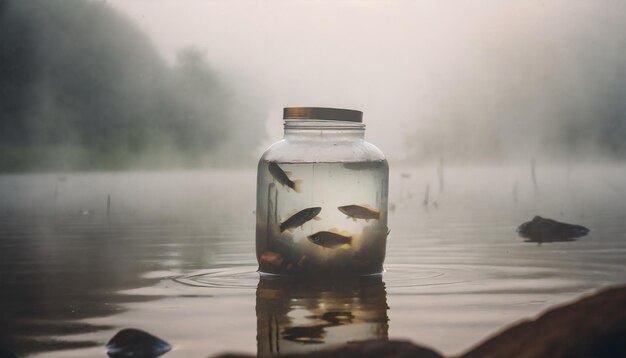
column 241, row 277
column 247, row 277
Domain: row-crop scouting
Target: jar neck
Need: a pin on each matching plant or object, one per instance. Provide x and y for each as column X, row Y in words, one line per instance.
column 323, row 130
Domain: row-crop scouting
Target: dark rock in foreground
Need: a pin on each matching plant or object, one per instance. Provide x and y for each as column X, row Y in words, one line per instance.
column 594, row 326
column 364, row 349
column 6, row 354
column 136, row 343
column 547, row 230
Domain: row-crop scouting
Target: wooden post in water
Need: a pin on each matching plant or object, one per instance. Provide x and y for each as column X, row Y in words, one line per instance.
column 109, row 208
column 533, row 174
column 440, row 174
column 568, row 171
column 426, row 195
column 56, row 197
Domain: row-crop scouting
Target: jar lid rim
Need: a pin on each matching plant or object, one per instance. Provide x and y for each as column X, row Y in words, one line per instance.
column 323, row 113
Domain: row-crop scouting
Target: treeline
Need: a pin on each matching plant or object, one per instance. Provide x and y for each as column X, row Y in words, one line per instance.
column 82, row 88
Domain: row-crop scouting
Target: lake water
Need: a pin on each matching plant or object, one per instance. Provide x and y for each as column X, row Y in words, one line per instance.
column 174, row 255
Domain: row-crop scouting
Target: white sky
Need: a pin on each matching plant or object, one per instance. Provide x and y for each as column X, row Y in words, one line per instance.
column 395, row 60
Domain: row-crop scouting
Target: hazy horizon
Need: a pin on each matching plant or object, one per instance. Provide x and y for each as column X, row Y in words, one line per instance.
column 156, row 84
column 469, row 81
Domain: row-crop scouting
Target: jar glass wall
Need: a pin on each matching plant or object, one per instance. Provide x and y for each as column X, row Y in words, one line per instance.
column 322, row 199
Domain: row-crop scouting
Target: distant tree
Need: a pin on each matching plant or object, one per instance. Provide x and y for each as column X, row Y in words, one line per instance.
column 81, row 87
column 203, row 100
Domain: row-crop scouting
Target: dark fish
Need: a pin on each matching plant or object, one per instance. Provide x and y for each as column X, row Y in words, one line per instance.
column 283, row 177
column 357, row 165
column 132, row 342
column 360, row 212
column 338, row 318
column 546, row 230
column 300, row 218
column 330, row 239
column 311, row 334
column 272, row 258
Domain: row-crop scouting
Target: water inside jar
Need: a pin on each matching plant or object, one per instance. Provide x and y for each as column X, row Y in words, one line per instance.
column 315, row 218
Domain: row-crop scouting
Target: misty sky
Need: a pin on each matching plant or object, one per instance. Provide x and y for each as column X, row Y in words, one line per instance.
column 404, row 63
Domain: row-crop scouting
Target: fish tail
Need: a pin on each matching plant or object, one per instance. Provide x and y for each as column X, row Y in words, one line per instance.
column 297, row 184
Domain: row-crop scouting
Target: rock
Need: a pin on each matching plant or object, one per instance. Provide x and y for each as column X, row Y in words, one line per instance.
column 136, row 343
column 594, row 326
column 364, row 349
column 547, row 230
column 6, row 354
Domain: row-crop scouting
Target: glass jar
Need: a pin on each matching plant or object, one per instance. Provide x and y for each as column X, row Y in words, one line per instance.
column 322, row 197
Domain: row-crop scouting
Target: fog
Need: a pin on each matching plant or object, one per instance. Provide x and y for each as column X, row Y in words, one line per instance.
column 130, row 132
column 155, row 84
column 467, row 80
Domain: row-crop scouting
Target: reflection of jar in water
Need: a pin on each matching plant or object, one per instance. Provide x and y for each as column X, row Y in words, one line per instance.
column 322, row 197
column 296, row 316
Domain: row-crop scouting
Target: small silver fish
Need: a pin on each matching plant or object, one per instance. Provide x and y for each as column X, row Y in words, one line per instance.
column 283, row 177
column 360, row 212
column 330, row 239
column 300, row 218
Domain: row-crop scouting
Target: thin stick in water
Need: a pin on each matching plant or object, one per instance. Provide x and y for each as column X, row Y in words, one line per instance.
column 440, row 174
column 533, row 174
column 109, row 205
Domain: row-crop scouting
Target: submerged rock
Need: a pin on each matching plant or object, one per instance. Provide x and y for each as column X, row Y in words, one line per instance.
column 594, row 326
column 547, row 230
column 136, row 343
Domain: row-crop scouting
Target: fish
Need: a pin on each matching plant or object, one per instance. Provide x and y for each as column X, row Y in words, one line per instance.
column 272, row 258
column 338, row 318
column 300, row 218
column 283, row 177
column 360, row 212
column 330, row 239
column 307, row 334
column 357, row 166
column 334, row 318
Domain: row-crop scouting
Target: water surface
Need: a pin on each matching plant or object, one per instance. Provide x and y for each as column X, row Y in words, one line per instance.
column 173, row 254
